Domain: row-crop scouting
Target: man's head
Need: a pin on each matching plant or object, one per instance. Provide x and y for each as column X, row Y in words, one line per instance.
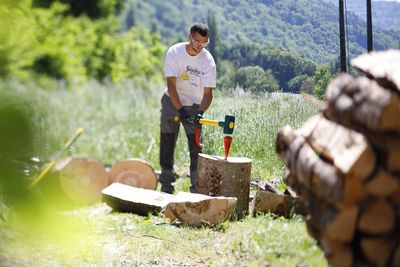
column 198, row 36
column 200, row 28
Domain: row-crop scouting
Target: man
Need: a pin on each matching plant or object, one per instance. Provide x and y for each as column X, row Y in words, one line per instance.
column 191, row 76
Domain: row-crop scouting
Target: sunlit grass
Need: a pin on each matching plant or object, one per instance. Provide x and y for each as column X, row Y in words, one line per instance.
column 122, row 121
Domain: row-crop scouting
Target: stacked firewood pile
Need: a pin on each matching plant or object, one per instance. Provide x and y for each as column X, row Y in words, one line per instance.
column 345, row 164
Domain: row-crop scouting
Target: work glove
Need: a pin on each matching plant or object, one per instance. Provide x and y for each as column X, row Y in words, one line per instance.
column 184, row 116
column 198, row 117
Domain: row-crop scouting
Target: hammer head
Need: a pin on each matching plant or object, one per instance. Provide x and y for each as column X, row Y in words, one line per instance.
column 229, row 124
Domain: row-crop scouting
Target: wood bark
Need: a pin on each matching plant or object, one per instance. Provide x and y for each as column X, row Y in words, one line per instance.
column 125, row 198
column 134, row 172
column 75, row 181
column 196, row 209
column 229, row 178
column 279, row 204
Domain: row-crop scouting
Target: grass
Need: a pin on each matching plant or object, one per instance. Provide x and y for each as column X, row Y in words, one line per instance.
column 122, row 121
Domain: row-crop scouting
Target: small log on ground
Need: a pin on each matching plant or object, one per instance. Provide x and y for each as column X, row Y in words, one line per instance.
column 134, row 172
column 229, row 178
column 383, row 66
column 76, row 181
column 195, row 209
column 125, row 198
column 279, row 204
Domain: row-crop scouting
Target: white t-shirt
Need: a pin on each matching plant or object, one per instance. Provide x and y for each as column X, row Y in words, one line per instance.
column 192, row 73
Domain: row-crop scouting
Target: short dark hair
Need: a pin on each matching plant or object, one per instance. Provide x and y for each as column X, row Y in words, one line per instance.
column 201, row 28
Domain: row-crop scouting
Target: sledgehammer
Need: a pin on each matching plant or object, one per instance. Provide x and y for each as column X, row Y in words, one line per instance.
column 228, row 124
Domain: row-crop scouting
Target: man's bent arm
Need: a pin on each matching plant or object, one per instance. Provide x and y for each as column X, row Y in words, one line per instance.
column 173, row 94
column 207, row 99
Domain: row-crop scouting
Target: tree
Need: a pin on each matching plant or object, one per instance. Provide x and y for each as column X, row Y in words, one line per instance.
column 295, row 84
column 322, row 77
column 226, row 75
column 214, row 46
column 308, row 86
column 92, row 8
column 255, row 79
column 130, row 19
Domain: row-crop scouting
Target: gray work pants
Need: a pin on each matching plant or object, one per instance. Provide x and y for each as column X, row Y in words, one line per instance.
column 169, row 130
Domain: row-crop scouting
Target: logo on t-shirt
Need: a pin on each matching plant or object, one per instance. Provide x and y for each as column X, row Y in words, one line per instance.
column 193, row 71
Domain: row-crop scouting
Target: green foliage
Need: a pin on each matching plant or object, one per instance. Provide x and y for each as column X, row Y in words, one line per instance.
column 51, row 43
column 308, row 86
column 16, row 37
column 215, row 43
column 285, row 65
column 255, row 79
column 91, row 8
column 323, row 76
column 226, row 75
column 295, row 84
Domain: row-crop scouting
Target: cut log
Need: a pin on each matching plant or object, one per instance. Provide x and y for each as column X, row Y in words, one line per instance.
column 279, row 204
column 354, row 192
column 396, row 257
column 134, row 172
column 377, row 218
column 125, row 198
column 316, row 175
column 229, row 178
column 342, row 257
column 393, row 160
column 196, row 209
column 383, row 66
column 376, row 250
column 383, row 184
column 348, row 150
column 343, row 226
column 76, row 181
column 363, row 102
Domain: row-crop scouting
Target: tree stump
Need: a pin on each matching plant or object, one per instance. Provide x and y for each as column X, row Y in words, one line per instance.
column 228, row 178
column 75, row 181
column 134, row 172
